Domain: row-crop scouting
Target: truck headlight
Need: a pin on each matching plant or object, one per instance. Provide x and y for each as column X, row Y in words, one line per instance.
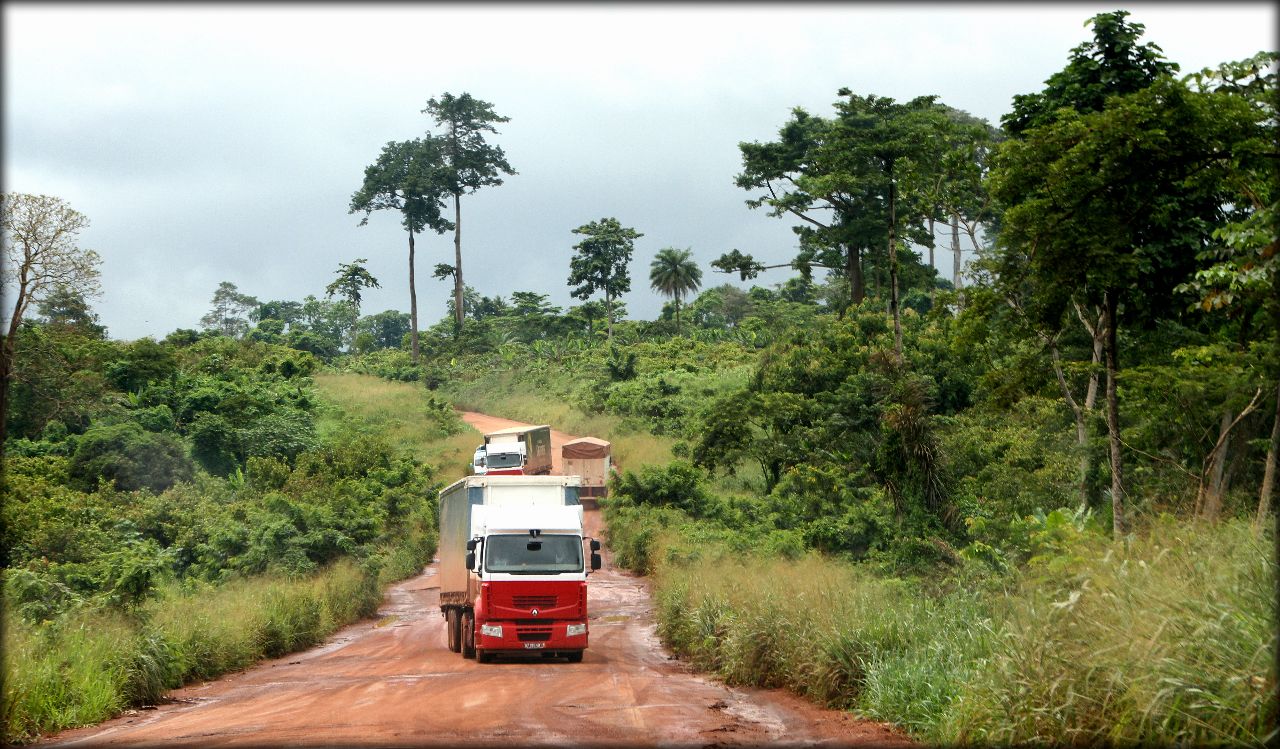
column 575, row 629
column 491, row 630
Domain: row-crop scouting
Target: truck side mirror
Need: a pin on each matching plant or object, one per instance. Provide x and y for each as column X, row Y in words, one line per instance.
column 471, row 560
column 595, row 545
column 595, row 560
column 471, row 545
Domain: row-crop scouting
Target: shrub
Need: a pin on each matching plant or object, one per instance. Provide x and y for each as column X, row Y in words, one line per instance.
column 214, row 443
column 129, row 456
column 679, row 484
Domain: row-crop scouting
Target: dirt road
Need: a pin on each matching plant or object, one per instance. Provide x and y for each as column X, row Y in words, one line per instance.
column 392, row 681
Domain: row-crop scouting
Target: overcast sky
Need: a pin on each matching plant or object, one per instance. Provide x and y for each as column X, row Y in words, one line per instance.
column 211, row 143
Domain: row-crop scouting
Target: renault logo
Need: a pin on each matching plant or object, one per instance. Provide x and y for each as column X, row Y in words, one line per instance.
column 533, row 612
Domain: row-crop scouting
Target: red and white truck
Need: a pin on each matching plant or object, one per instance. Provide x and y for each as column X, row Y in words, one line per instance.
column 513, row 572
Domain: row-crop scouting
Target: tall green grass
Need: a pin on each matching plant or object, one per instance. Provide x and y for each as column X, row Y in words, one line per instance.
column 91, row 665
column 1171, row 638
column 1168, row 639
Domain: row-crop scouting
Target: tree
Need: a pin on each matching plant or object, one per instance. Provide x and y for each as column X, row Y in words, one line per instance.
column 332, row 322
column 588, row 313
column 837, row 214
column 41, row 256
column 1111, row 64
column 287, row 312
column 387, row 329
column 66, row 308
column 844, row 178
column 469, row 163
column 600, row 263
column 888, row 145
column 673, row 274
column 352, row 277
column 408, row 177
column 230, row 312
column 1111, row 207
column 720, row 307
column 1244, row 270
column 959, row 189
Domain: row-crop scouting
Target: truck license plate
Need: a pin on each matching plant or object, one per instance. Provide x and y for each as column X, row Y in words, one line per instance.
column 534, row 645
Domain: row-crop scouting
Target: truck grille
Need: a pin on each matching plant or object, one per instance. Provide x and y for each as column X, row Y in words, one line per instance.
column 533, row 634
column 529, row 602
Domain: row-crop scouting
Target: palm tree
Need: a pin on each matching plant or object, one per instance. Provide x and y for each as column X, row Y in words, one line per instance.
column 673, row 274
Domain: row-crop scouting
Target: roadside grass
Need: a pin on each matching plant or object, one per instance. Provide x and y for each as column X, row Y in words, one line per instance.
column 92, row 664
column 1168, row 638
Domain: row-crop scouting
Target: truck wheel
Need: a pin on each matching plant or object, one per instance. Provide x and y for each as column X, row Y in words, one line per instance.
column 455, row 631
column 574, row 657
column 468, row 634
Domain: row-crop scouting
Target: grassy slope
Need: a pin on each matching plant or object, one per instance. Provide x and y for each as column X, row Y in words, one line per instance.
column 399, row 412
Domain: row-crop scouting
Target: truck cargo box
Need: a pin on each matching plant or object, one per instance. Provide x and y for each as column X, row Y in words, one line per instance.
column 537, row 446
column 456, row 501
column 590, row 458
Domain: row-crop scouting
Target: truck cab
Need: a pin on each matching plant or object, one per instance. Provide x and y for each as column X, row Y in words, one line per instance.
column 531, row 571
column 505, row 459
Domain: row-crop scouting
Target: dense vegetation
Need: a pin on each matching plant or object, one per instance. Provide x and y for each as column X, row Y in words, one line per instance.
column 174, row 510
column 1028, row 503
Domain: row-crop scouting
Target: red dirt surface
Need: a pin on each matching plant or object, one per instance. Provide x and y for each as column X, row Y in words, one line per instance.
column 392, row 681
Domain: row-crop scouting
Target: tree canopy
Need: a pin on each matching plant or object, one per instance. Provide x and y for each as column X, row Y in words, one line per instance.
column 599, row 263
column 469, row 162
column 674, row 274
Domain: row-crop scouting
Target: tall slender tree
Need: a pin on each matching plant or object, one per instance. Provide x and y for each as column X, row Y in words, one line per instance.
column 600, row 263
column 839, row 217
column 891, row 149
column 674, row 274
column 409, row 177
column 469, row 163
column 352, row 277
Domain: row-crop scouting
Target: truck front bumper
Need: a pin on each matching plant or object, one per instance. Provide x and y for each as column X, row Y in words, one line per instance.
column 531, row 637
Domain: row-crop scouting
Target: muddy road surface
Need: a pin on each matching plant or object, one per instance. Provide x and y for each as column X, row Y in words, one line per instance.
column 392, row 681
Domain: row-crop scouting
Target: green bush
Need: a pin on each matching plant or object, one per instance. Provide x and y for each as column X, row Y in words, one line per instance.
column 129, row 456
column 678, row 484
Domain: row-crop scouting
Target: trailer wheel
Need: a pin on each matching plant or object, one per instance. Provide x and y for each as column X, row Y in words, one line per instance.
column 574, row 657
column 455, row 631
column 468, row 634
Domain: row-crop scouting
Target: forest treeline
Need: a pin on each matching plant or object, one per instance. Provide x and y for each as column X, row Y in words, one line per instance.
column 1030, row 500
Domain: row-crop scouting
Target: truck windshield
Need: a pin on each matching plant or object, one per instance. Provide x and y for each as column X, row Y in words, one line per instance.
column 526, row 555
column 504, row 460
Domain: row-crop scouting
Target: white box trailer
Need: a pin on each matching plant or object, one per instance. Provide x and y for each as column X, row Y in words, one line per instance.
column 455, row 503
